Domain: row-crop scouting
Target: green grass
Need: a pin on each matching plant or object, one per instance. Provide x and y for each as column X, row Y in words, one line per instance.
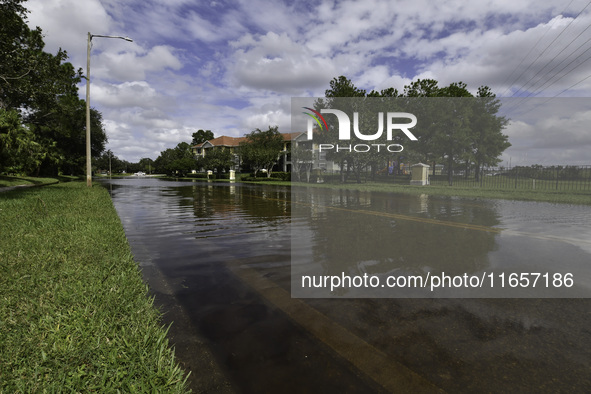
column 74, row 312
column 462, row 190
column 566, row 197
column 6, row 180
column 69, row 178
column 542, row 193
column 519, row 183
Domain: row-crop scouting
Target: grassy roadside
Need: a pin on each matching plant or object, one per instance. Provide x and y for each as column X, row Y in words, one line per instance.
column 562, row 197
column 8, row 181
column 74, row 312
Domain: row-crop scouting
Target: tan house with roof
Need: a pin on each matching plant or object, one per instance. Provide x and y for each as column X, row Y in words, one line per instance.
column 223, row 142
column 233, row 144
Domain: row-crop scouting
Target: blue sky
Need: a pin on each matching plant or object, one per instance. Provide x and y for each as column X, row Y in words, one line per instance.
column 233, row 66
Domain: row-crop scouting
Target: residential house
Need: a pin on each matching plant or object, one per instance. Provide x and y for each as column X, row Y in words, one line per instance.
column 233, row 144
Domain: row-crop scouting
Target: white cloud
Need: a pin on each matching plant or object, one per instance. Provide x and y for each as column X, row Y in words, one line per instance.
column 277, row 63
column 549, row 132
column 232, row 66
column 127, row 94
column 125, row 66
column 379, row 78
column 66, row 23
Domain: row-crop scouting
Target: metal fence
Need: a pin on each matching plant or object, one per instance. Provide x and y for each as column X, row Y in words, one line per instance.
column 548, row 178
column 567, row 178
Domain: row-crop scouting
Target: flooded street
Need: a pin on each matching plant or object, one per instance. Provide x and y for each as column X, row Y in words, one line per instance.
column 491, row 248
column 218, row 258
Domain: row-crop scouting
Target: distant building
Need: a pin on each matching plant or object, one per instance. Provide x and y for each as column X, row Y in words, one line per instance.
column 233, row 144
column 223, row 142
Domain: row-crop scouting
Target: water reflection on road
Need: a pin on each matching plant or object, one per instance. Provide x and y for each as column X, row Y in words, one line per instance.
column 350, row 233
column 220, row 254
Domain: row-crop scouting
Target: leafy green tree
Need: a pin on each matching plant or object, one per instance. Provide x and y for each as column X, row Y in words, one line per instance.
column 67, row 127
column 219, row 159
column 163, row 161
column 146, row 165
column 19, row 49
column 183, row 151
column 117, row 165
column 422, row 88
column 101, row 163
column 450, row 129
column 452, row 132
column 262, row 149
column 201, row 136
column 108, row 161
column 182, row 166
column 339, row 96
column 42, row 87
column 457, row 130
column 199, row 163
column 176, row 161
column 489, row 142
column 19, row 152
column 301, row 161
column 341, row 87
column 29, row 77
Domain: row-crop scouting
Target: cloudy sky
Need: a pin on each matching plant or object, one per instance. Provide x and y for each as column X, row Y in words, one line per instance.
column 233, row 66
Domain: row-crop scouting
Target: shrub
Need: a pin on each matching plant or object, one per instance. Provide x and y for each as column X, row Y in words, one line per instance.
column 284, row 176
column 260, row 179
column 199, row 175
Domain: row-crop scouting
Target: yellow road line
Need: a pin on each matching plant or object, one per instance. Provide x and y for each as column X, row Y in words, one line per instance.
column 384, row 370
column 393, row 216
column 413, row 218
column 477, row 227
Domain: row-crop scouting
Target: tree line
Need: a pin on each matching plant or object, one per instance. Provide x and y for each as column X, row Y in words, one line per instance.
column 456, row 129
column 260, row 151
column 42, row 120
column 452, row 130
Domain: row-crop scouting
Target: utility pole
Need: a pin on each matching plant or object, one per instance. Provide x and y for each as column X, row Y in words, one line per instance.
column 89, row 45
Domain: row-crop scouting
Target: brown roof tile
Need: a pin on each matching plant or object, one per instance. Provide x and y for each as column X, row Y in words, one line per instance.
column 235, row 141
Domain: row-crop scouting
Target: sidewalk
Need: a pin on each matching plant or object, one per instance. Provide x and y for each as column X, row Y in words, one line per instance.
column 9, row 188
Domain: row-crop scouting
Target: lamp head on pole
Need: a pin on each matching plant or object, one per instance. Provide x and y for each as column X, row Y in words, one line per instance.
column 121, row 37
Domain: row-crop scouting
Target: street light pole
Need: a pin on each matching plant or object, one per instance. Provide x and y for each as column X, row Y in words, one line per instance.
column 88, row 164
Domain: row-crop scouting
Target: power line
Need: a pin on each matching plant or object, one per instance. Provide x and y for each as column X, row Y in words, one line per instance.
column 552, row 60
column 553, row 41
column 539, row 90
column 572, row 86
column 550, row 98
column 531, row 49
column 549, row 83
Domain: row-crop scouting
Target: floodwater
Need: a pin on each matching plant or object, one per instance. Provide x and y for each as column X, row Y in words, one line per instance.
column 217, row 257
